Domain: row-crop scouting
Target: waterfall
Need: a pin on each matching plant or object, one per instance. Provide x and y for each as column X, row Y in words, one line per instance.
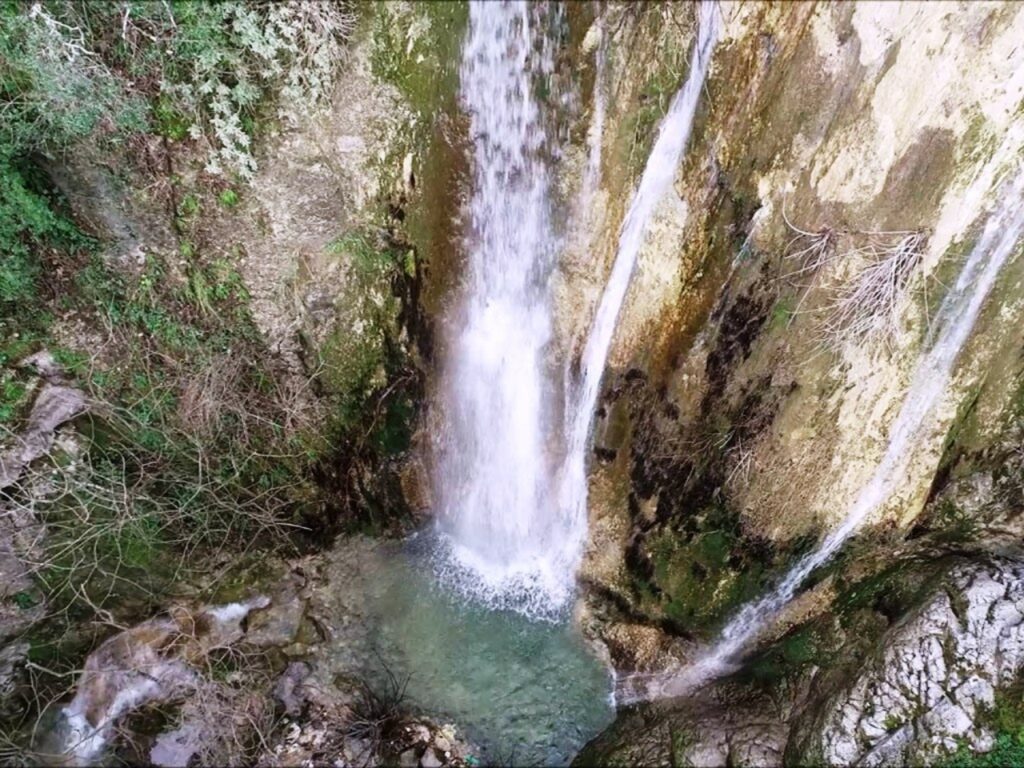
column 510, row 538
column 504, row 538
column 657, row 177
column 953, row 325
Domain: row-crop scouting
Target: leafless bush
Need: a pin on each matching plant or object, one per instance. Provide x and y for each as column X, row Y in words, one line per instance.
column 103, row 515
column 231, row 706
column 13, row 753
column 879, row 265
column 868, row 306
column 808, row 250
column 744, row 461
column 378, row 710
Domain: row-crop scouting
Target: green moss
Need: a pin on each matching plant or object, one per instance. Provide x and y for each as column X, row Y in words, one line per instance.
column 979, row 141
column 782, row 312
column 355, row 355
column 953, row 524
column 698, row 580
column 424, row 67
column 891, row 591
column 786, row 658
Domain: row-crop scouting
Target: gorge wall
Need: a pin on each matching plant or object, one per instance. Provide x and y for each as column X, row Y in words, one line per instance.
column 750, row 388
column 740, row 417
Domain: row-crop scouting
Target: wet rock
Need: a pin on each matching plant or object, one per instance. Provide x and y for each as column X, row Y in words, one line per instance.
column 973, row 496
column 278, row 623
column 417, row 733
column 409, row 759
column 415, row 483
column 152, row 662
column 430, row 759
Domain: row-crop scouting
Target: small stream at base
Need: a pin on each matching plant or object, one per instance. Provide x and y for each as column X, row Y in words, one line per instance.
column 526, row 692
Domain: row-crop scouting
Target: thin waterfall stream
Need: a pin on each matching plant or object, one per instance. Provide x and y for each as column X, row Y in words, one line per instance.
column 659, row 172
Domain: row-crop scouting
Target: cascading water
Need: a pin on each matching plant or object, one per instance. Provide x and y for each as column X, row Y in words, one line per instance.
column 953, row 326
column 510, row 539
column 673, row 135
column 505, row 538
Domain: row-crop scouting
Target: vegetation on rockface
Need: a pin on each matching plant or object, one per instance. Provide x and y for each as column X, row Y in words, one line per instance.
column 699, row 575
column 1006, row 719
column 366, row 371
column 194, row 453
column 693, row 563
column 416, row 50
column 664, row 66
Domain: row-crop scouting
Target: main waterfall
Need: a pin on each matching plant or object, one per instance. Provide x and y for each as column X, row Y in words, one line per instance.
column 514, row 518
column 506, row 541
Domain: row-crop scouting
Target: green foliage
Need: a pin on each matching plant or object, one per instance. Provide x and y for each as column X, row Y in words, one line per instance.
column 104, row 71
column 1008, row 751
column 12, row 396
column 189, row 206
column 23, row 600
column 28, row 222
column 228, row 198
column 55, row 88
column 168, row 120
column 1007, row 720
column 699, row 578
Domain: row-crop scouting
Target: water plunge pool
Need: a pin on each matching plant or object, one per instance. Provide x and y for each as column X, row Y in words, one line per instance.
column 525, row 692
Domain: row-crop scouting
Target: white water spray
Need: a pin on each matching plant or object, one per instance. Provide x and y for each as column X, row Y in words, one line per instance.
column 673, row 135
column 506, row 540
column 953, row 325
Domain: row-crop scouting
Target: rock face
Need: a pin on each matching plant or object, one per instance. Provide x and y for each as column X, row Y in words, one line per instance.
column 923, row 696
column 54, row 405
column 732, row 429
